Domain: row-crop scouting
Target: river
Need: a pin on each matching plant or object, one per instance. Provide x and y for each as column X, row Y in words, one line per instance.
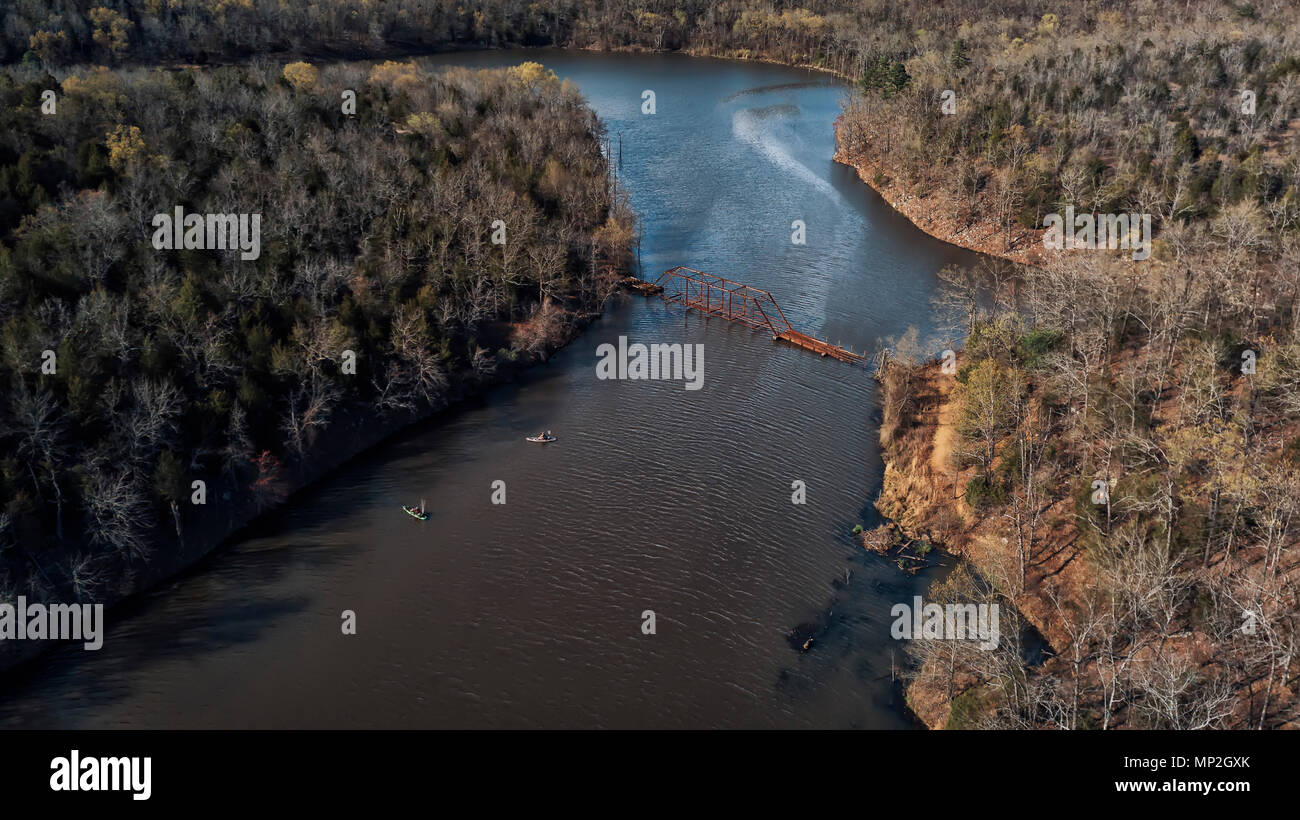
column 529, row 614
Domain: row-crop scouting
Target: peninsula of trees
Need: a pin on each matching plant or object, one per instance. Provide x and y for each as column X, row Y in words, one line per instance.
column 419, row 233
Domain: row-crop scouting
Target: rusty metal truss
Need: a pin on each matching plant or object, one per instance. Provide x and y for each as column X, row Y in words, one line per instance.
column 738, row 302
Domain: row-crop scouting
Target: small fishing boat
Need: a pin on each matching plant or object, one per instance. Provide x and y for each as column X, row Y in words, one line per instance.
column 416, row 512
column 541, row 437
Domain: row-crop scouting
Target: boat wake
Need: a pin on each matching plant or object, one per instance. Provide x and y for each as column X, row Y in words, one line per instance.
column 753, row 126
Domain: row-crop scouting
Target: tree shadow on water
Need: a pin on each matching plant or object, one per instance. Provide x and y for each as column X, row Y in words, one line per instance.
column 225, row 602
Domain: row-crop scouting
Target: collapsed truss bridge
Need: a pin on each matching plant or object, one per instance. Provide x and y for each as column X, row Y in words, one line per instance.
column 737, row 302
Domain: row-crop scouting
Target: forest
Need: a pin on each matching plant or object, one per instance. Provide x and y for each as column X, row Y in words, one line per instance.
column 378, row 295
column 1117, row 451
column 1044, row 106
column 1193, row 125
column 112, row 31
column 1119, row 459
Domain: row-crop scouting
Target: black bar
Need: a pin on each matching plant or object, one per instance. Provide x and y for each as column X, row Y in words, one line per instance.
column 980, row 771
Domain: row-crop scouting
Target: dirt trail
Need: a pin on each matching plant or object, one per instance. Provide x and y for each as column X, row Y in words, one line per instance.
column 945, row 434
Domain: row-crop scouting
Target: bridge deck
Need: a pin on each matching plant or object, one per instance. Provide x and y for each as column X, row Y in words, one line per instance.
column 807, row 342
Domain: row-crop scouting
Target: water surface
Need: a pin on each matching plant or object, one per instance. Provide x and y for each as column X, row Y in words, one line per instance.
column 529, row 614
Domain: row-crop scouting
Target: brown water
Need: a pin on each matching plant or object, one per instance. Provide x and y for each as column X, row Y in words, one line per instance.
column 654, row 498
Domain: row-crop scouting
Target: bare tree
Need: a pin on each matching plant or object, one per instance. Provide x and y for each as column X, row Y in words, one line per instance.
column 119, row 512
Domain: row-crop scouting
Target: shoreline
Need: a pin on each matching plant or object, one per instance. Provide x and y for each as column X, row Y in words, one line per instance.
column 357, row 432
column 916, row 488
column 915, row 209
column 918, row 501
